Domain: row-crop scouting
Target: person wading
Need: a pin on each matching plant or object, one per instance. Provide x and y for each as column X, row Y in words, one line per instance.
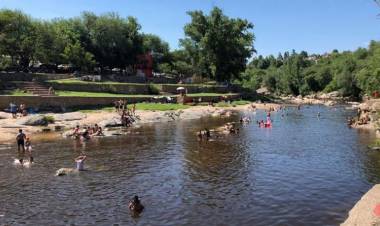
column 20, row 138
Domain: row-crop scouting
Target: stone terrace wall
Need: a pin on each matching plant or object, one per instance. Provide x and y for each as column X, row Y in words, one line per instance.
column 171, row 88
column 136, row 88
column 21, row 76
column 68, row 102
column 105, row 88
column 65, row 102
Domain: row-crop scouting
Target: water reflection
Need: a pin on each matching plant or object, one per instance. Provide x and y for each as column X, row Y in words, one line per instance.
column 304, row 171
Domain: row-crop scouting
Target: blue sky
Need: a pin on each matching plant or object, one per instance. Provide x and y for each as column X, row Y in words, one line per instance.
column 317, row 26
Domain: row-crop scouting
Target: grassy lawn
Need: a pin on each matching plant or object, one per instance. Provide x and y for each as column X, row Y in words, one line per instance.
column 233, row 103
column 144, row 106
column 207, row 94
column 160, row 107
column 75, row 81
column 17, row 92
column 94, row 94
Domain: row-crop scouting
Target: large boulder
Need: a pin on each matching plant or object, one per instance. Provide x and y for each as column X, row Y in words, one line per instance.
column 4, row 115
column 34, row 120
column 367, row 209
column 334, row 94
column 69, row 116
column 113, row 122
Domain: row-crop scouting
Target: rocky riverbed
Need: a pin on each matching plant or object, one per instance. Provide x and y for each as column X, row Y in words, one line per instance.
column 39, row 124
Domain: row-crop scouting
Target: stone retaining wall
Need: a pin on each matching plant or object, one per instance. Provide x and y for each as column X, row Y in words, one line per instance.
column 69, row 102
column 172, row 88
column 137, row 88
column 105, row 88
column 22, row 76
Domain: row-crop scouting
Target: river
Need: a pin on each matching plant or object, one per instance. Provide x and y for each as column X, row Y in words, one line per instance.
column 304, row 171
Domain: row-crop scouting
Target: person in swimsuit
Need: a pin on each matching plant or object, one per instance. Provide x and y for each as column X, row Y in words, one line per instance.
column 20, row 138
column 80, row 162
column 28, row 148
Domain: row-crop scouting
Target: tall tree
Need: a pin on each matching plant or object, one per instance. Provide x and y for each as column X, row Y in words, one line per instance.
column 17, row 37
column 219, row 46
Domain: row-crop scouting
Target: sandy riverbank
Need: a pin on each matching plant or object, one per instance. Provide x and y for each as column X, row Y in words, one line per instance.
column 63, row 122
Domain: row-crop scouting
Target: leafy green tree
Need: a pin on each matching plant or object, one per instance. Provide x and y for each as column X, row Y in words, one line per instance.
column 17, row 37
column 159, row 49
column 219, row 46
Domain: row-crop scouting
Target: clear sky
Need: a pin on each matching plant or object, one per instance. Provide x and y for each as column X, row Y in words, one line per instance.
column 317, row 26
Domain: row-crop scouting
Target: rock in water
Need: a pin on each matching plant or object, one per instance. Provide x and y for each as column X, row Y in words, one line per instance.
column 114, row 122
column 69, row 116
column 35, row 120
column 4, row 115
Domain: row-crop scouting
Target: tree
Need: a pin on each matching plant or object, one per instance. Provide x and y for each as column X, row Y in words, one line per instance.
column 17, row 37
column 114, row 41
column 219, row 46
column 158, row 48
column 75, row 54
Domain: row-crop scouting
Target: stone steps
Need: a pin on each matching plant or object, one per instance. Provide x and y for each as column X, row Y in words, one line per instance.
column 36, row 89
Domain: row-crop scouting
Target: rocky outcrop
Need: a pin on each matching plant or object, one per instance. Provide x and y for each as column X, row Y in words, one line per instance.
column 34, row 120
column 4, row 115
column 69, row 116
column 113, row 122
column 367, row 210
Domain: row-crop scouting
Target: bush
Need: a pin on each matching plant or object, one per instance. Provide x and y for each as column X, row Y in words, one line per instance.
column 49, row 119
column 153, row 89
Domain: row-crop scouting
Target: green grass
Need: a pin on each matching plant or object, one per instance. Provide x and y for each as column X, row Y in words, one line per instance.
column 207, row 94
column 160, row 107
column 75, row 81
column 232, row 104
column 17, row 92
column 94, row 94
column 142, row 106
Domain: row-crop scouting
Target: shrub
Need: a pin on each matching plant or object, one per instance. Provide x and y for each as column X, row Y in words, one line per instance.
column 49, row 119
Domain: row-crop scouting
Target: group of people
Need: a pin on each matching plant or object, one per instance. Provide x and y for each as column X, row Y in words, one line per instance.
column 267, row 123
column 24, row 144
column 122, row 105
column 87, row 132
column 362, row 118
column 127, row 117
column 18, row 110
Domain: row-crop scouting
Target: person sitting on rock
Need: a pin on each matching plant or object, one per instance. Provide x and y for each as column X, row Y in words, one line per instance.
column 135, row 205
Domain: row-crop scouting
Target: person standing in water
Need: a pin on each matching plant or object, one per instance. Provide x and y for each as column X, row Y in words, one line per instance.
column 20, row 138
column 28, row 148
column 80, row 162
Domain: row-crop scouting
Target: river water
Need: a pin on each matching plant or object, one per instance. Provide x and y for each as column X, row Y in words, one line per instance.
column 303, row 171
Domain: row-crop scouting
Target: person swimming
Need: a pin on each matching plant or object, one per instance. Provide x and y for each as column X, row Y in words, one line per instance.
column 79, row 167
column 135, row 205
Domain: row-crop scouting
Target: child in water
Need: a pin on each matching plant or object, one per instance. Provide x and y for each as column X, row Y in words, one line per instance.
column 135, row 205
column 28, row 148
column 80, row 162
